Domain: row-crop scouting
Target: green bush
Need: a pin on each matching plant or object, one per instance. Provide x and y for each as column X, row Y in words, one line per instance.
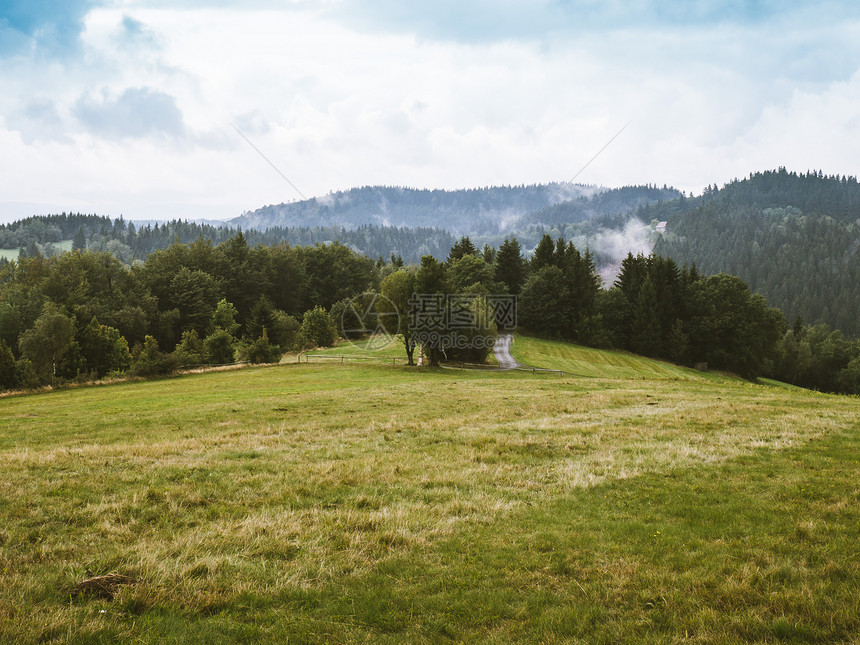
column 318, row 328
column 151, row 361
column 220, row 347
column 285, row 331
column 26, row 374
column 8, row 373
column 262, row 350
column 191, row 349
column 849, row 378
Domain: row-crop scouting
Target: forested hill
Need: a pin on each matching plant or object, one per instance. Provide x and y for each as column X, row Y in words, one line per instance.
column 374, row 221
column 478, row 211
column 813, row 193
column 794, row 238
column 128, row 242
column 613, row 207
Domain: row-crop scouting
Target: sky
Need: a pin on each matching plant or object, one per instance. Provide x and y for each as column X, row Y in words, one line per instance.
column 157, row 109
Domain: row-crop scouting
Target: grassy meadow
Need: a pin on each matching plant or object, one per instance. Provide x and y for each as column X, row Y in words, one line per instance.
column 599, row 363
column 364, row 502
column 377, row 348
column 12, row 254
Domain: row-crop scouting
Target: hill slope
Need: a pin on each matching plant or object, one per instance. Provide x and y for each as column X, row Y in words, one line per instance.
column 357, row 503
column 590, row 362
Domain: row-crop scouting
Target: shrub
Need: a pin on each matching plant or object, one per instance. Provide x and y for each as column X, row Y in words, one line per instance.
column 151, row 361
column 191, row 349
column 26, row 374
column 318, row 328
column 262, row 350
column 285, row 331
column 220, row 347
column 8, row 373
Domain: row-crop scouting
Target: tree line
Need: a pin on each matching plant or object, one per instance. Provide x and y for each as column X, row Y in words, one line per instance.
column 654, row 308
column 85, row 315
column 129, row 242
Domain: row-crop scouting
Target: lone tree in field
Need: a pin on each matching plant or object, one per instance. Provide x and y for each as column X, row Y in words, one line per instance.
column 79, row 241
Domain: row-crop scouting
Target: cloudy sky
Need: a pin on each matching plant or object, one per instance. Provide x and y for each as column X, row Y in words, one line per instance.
column 139, row 107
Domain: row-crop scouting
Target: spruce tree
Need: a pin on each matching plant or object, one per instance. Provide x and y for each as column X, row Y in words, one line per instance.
column 510, row 266
column 79, row 241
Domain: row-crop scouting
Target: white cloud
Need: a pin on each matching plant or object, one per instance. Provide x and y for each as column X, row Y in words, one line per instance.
column 136, row 112
column 139, row 122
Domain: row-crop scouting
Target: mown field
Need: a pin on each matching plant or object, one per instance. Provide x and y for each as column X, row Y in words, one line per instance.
column 368, row 503
column 12, row 254
column 599, row 363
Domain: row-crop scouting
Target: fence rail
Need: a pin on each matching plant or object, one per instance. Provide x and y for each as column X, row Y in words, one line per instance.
column 344, row 358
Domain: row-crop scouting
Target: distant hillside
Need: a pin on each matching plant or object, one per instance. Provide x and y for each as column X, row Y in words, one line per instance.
column 468, row 211
column 611, row 207
column 379, row 221
column 478, row 212
column 794, row 238
column 130, row 241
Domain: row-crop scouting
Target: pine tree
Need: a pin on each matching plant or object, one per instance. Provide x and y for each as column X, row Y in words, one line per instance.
column 544, row 254
column 461, row 248
column 79, row 241
column 510, row 266
column 645, row 336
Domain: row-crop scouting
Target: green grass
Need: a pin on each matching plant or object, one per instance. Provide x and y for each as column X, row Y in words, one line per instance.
column 378, row 347
column 12, row 254
column 368, row 503
column 599, row 363
column 775, row 383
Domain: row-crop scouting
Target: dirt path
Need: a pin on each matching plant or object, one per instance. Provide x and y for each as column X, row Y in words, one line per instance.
column 502, row 352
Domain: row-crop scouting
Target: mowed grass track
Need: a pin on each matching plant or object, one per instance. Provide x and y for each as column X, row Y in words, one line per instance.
column 598, row 363
column 370, row 503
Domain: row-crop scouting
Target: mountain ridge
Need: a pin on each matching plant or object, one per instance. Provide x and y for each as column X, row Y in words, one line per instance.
column 472, row 211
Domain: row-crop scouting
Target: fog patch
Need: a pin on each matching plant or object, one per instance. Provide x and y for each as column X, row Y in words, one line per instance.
column 611, row 246
column 508, row 218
